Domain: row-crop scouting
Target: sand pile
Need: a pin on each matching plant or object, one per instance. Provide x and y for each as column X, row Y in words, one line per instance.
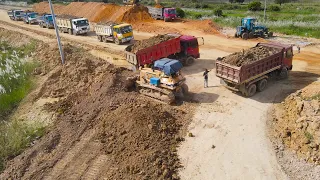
column 99, row 12
column 158, row 6
column 249, row 55
column 148, row 42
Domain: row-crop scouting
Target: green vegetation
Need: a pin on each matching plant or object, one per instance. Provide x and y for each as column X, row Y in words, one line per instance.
column 254, row 6
column 308, row 136
column 15, row 136
column 15, row 73
column 218, row 12
column 180, row 13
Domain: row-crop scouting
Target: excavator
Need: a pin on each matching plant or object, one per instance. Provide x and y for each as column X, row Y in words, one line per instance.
column 163, row 81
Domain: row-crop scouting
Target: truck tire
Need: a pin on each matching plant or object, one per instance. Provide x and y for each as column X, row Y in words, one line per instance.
column 235, row 35
column 283, row 74
column 270, row 34
column 69, row 31
column 185, row 89
column 262, row 84
column 245, row 36
column 117, row 41
column 251, row 35
column 99, row 38
column 251, row 90
column 189, row 61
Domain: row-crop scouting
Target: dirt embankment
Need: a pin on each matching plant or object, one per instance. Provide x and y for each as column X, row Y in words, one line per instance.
column 99, row 12
column 102, row 130
column 249, row 55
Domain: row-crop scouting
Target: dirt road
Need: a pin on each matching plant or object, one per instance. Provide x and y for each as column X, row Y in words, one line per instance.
column 233, row 125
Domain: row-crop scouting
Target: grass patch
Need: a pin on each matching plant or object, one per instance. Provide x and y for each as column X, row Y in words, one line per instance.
column 308, row 136
column 15, row 136
column 15, row 72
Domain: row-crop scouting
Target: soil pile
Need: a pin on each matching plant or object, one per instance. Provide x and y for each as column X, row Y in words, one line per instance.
column 249, row 55
column 99, row 12
column 296, row 122
column 103, row 130
column 148, row 42
column 158, row 6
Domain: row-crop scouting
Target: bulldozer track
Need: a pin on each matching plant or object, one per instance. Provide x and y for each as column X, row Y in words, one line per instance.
column 163, row 95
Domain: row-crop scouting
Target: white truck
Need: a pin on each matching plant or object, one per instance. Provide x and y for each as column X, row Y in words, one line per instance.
column 73, row 25
column 113, row 32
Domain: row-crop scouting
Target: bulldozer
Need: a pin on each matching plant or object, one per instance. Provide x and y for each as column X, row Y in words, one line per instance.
column 163, row 81
column 130, row 2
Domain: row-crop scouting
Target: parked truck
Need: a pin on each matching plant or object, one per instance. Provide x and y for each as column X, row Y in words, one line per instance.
column 15, row 15
column 182, row 47
column 73, row 25
column 167, row 14
column 30, row 17
column 253, row 76
column 45, row 21
column 117, row 33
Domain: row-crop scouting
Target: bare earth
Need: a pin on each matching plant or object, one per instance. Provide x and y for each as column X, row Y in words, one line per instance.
column 230, row 130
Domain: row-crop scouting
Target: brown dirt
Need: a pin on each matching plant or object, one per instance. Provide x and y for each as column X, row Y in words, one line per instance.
column 103, row 130
column 296, row 122
column 249, row 55
column 99, row 12
column 148, row 42
column 158, row 6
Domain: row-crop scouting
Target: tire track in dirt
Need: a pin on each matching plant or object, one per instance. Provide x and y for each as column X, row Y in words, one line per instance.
column 95, row 167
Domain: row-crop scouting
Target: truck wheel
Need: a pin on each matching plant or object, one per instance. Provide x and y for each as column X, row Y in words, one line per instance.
column 245, row 36
column 69, row 31
column 189, row 61
column 262, row 84
column 236, row 35
column 117, row 41
column 283, row 74
column 251, row 35
column 99, row 38
column 252, row 89
column 270, row 34
column 185, row 89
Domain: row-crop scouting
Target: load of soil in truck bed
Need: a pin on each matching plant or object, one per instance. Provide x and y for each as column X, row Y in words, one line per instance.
column 249, row 55
column 148, row 42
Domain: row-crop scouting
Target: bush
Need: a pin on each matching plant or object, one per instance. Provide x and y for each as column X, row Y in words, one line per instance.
column 198, row 16
column 205, row 6
column 217, row 12
column 254, row 6
column 274, row 8
column 197, row 6
column 180, row 13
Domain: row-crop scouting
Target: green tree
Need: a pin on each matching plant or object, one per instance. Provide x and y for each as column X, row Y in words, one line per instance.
column 231, row 1
column 254, row 6
column 180, row 13
column 239, row 1
column 281, row 1
column 217, row 12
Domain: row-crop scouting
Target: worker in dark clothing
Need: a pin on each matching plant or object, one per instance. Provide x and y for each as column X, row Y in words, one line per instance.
column 205, row 75
column 298, row 49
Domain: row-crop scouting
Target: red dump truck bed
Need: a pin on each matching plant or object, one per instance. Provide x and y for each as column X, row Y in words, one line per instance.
column 155, row 52
column 248, row 72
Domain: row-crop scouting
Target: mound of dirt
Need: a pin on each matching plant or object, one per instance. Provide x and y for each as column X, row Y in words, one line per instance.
column 296, row 122
column 103, row 130
column 148, row 42
column 249, row 55
column 158, row 6
column 99, row 12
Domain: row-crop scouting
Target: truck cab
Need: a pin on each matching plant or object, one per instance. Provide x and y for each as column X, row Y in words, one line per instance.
column 80, row 26
column 30, row 18
column 169, row 14
column 122, row 33
column 46, row 21
column 190, row 46
column 17, row 15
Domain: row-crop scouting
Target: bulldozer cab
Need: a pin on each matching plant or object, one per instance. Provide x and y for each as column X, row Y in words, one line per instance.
column 249, row 23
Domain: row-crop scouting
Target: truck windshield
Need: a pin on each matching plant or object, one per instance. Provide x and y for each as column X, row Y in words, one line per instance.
column 81, row 23
column 18, row 12
column 33, row 15
column 49, row 18
column 171, row 11
column 126, row 29
column 193, row 43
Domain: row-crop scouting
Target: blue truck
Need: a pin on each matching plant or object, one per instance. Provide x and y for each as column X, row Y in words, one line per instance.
column 46, row 21
column 15, row 15
column 30, row 17
column 249, row 29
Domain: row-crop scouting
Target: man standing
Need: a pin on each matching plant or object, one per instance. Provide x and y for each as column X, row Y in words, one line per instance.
column 205, row 75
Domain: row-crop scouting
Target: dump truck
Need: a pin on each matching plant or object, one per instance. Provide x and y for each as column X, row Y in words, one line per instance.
column 113, row 32
column 15, row 15
column 175, row 46
column 163, row 81
column 248, row 71
column 73, row 25
column 166, row 14
column 45, row 21
column 30, row 17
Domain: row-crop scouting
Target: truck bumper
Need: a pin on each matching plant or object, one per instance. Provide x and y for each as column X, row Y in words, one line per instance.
column 127, row 39
column 82, row 31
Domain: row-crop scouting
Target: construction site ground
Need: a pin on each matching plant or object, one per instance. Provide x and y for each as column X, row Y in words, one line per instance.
column 230, row 138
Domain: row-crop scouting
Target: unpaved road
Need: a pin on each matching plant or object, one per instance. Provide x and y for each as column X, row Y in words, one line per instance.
column 233, row 124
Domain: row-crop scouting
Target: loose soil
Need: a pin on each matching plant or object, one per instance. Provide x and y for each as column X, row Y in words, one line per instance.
column 138, row 45
column 103, row 129
column 249, row 55
column 99, row 12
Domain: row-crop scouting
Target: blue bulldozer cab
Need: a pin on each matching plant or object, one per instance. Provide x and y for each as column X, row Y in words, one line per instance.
column 168, row 66
column 249, row 29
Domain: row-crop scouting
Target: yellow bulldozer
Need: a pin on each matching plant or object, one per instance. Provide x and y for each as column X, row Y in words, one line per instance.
column 163, row 81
